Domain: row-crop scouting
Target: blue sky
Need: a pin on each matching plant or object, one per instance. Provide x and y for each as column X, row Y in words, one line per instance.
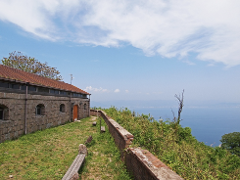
column 138, row 51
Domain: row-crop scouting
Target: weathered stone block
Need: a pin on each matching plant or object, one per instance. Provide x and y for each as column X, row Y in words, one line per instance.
column 7, row 136
column 82, row 149
column 20, row 132
column 15, row 134
column 2, row 138
column 5, row 130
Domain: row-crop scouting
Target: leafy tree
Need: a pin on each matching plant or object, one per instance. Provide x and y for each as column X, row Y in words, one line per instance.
column 231, row 142
column 28, row 64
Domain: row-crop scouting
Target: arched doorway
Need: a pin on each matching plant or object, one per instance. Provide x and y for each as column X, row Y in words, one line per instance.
column 4, row 112
column 75, row 112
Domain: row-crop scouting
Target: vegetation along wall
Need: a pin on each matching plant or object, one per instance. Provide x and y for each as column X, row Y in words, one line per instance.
column 141, row 163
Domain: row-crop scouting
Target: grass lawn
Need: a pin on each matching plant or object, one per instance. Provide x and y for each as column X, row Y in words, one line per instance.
column 48, row 154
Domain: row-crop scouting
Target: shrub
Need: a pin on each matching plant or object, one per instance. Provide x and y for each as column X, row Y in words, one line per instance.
column 231, row 142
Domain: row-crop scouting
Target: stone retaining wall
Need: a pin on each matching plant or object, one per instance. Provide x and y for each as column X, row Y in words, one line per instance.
column 141, row 163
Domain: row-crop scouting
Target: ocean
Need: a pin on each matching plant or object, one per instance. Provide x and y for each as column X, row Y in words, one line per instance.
column 209, row 121
column 208, row 124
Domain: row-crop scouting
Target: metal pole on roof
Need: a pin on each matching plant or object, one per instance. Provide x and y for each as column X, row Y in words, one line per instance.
column 71, row 78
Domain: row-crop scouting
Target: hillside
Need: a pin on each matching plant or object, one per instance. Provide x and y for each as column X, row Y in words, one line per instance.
column 177, row 148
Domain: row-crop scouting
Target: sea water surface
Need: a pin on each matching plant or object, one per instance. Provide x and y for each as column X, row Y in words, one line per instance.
column 209, row 121
column 208, row 124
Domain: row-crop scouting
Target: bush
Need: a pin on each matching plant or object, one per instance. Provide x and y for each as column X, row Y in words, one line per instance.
column 231, row 142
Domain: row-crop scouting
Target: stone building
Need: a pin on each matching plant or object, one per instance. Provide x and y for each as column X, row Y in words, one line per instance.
column 29, row 102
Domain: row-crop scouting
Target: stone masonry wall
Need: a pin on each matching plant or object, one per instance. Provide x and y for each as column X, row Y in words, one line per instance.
column 52, row 116
column 141, row 163
column 14, row 126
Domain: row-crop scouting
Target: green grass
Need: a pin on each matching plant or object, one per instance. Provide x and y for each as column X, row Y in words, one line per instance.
column 177, row 148
column 48, row 154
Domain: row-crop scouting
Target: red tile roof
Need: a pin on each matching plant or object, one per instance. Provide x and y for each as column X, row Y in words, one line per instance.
column 21, row 76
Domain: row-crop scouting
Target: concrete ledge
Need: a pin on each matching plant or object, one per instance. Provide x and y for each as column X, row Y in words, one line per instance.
column 154, row 168
column 121, row 136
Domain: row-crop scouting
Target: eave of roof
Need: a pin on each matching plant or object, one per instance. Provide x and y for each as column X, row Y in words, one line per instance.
column 11, row 74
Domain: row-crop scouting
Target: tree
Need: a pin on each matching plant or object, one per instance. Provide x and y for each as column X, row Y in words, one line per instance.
column 231, row 142
column 28, row 64
column 176, row 121
column 180, row 101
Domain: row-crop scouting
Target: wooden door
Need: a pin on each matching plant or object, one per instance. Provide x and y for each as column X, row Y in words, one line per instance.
column 75, row 112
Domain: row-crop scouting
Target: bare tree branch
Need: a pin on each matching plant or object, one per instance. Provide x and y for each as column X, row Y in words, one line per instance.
column 180, row 101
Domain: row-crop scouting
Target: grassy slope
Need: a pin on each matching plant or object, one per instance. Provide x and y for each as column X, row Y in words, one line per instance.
column 47, row 154
column 176, row 147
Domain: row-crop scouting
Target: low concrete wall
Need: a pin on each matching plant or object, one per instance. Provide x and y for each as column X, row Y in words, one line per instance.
column 144, row 165
column 141, row 163
column 121, row 136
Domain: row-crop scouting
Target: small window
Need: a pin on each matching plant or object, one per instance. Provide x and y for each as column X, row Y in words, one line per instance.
column 4, row 84
column 32, row 88
column 3, row 112
column 76, row 95
column 56, row 92
column 64, row 93
column 42, row 89
column 85, row 107
column 40, row 109
column 62, row 108
column 15, row 86
column 23, row 87
column 52, row 91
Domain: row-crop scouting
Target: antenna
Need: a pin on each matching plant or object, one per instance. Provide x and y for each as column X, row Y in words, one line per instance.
column 71, row 78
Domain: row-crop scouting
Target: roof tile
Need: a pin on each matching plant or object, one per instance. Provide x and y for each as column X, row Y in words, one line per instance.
column 16, row 74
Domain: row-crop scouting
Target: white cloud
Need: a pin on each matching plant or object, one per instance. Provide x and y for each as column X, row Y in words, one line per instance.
column 91, row 89
column 157, row 92
column 127, row 91
column 116, row 90
column 169, row 28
